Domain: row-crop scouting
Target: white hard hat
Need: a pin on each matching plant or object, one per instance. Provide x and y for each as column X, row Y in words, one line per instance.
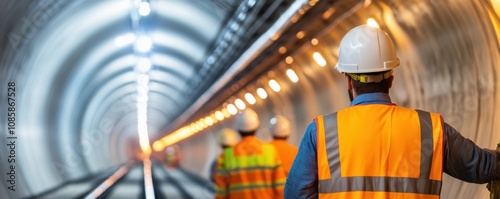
column 280, row 126
column 366, row 49
column 227, row 137
column 247, row 120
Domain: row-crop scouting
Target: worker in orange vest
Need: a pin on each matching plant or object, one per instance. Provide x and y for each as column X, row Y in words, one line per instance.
column 252, row 168
column 225, row 138
column 280, row 129
column 376, row 149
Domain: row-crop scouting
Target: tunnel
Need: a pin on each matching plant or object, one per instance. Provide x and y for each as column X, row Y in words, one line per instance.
column 124, row 98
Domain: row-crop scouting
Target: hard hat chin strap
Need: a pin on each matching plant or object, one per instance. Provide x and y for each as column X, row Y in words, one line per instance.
column 368, row 78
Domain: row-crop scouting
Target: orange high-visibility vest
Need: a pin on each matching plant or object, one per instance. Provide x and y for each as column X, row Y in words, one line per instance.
column 379, row 151
column 286, row 152
column 251, row 169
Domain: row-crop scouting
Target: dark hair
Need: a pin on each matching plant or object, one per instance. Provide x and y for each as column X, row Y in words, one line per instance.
column 246, row 133
column 380, row 87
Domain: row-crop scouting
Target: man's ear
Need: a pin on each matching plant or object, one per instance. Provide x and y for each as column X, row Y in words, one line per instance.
column 391, row 78
column 349, row 82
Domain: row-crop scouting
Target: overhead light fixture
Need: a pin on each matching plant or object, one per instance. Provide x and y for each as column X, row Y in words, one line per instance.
column 144, row 9
column 209, row 121
column 314, row 41
column 158, row 146
column 274, row 85
column 143, row 80
column 232, row 109
column 250, row 98
column 319, row 59
column 143, row 44
column 300, row 34
column 292, row 75
column 219, row 115
column 240, row 104
column 282, row 50
column 144, row 65
column 262, row 93
column 226, row 113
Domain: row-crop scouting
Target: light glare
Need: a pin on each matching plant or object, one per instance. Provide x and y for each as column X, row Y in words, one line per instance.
column 240, row 104
column 250, row 98
column 292, row 75
column 226, row 113
column 144, row 65
column 274, row 85
column 209, row 121
column 219, row 115
column 319, row 59
column 143, row 44
column 262, row 93
column 232, row 109
column 144, row 9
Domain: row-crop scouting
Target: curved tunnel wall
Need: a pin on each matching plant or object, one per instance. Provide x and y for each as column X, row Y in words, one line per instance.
column 449, row 52
column 76, row 111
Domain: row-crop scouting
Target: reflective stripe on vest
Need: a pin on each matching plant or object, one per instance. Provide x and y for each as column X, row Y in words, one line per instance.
column 263, row 161
column 418, row 173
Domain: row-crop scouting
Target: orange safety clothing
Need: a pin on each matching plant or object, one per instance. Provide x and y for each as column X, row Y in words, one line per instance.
column 251, row 169
column 402, row 153
column 286, row 152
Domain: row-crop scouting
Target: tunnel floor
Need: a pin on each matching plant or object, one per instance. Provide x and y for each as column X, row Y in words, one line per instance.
column 168, row 183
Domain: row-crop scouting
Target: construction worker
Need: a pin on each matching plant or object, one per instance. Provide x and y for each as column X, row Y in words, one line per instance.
column 280, row 128
column 252, row 168
column 376, row 149
column 225, row 138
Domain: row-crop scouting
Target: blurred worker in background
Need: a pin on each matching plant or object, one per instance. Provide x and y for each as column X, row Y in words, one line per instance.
column 376, row 149
column 252, row 168
column 172, row 158
column 280, row 128
column 225, row 138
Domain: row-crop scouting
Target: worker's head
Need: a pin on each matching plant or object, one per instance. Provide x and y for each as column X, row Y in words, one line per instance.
column 280, row 127
column 247, row 122
column 367, row 57
column 227, row 138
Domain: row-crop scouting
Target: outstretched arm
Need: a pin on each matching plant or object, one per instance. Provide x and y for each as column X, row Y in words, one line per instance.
column 302, row 179
column 467, row 161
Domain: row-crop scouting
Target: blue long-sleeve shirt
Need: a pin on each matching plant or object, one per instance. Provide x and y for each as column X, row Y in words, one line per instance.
column 463, row 159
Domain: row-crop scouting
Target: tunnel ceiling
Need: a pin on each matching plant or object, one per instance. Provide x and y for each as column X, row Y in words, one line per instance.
column 80, row 58
column 77, row 66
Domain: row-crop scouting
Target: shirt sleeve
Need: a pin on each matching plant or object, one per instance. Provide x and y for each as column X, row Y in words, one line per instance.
column 302, row 180
column 466, row 161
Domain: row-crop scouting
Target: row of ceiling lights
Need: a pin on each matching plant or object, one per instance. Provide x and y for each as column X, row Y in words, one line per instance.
column 230, row 109
column 225, row 112
column 142, row 45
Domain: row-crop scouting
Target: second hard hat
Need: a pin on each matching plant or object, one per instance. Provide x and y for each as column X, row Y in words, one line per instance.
column 280, row 126
column 227, row 137
column 366, row 49
column 247, row 120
